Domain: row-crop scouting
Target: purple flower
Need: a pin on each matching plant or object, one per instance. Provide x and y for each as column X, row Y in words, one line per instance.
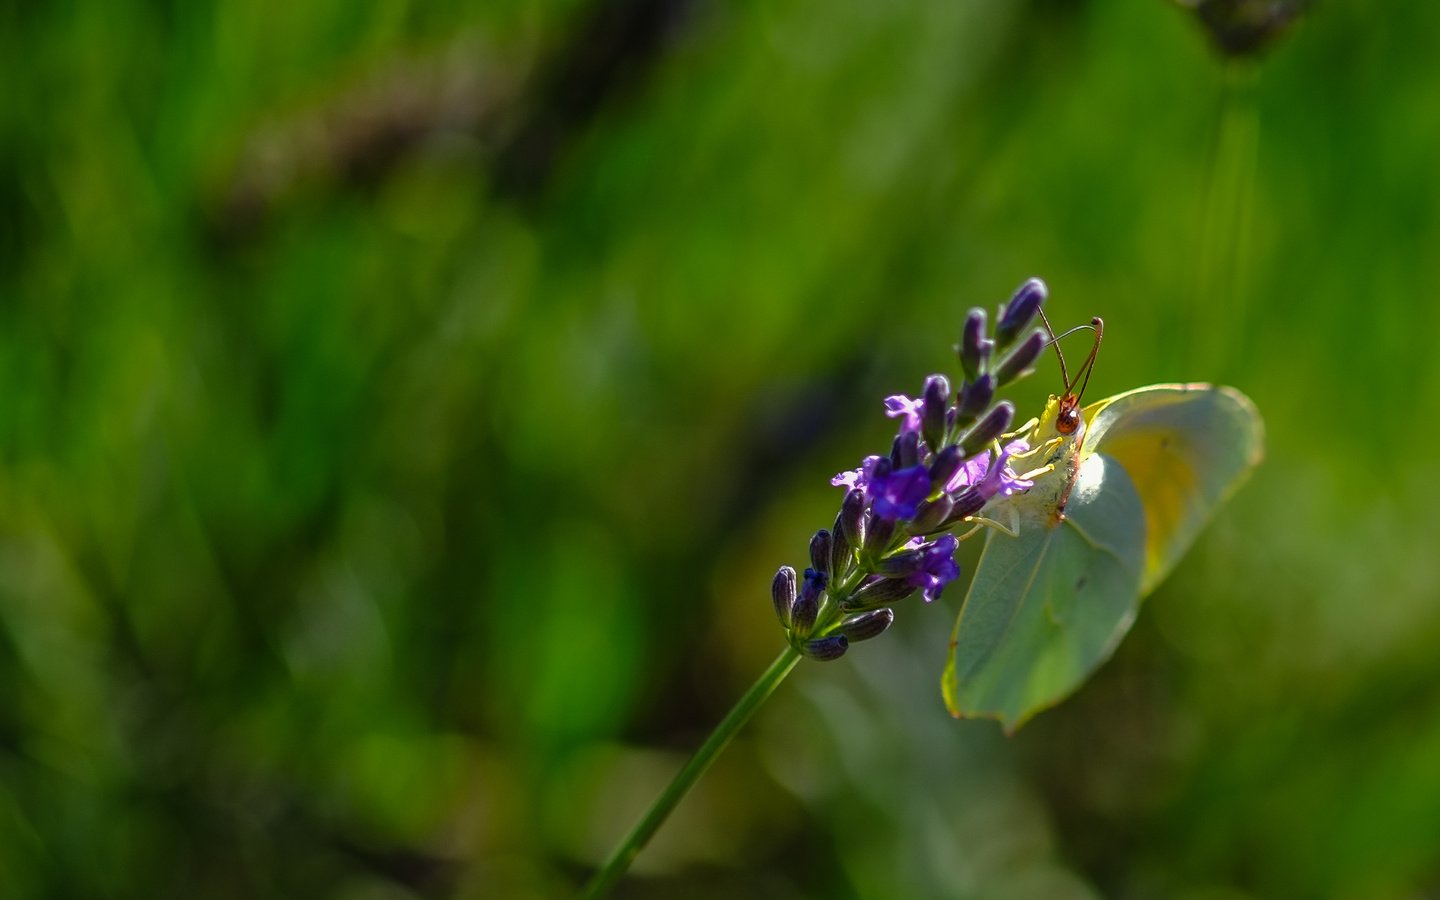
column 912, row 410
column 857, row 478
column 1001, row 480
column 970, row 472
column 937, row 568
column 991, row 478
column 897, row 494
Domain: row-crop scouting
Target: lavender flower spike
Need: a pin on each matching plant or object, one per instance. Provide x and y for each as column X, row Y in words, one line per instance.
column 945, row 464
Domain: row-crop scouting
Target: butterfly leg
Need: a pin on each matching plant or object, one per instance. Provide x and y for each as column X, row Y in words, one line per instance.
column 1010, row 529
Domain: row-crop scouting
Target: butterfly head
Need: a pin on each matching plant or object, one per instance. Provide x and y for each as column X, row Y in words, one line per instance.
column 1068, row 417
column 1059, row 428
column 1059, row 432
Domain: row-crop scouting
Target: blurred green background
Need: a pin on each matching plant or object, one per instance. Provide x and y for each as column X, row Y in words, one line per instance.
column 403, row 410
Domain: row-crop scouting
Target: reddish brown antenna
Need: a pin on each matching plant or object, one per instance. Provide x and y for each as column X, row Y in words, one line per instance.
column 1068, row 419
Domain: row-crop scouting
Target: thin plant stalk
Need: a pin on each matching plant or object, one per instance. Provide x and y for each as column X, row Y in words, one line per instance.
column 625, row 854
column 1227, row 219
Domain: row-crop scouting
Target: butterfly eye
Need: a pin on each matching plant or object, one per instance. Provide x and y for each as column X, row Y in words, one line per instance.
column 1068, row 422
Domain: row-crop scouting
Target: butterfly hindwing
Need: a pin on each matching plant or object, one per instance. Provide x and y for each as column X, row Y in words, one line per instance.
column 1047, row 607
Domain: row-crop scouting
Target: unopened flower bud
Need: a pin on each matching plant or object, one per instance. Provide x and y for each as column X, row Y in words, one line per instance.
column 905, row 452
column 866, row 625
column 937, row 403
column 898, row 565
column 1021, row 359
column 988, row 429
column 877, row 593
column 842, row 552
column 974, row 349
column 782, row 590
column 878, row 534
column 1240, row 29
column 806, row 607
column 947, row 463
column 826, row 648
column 975, row 397
column 966, row 503
column 1019, row 312
column 814, row 585
column 931, row 516
column 820, row 547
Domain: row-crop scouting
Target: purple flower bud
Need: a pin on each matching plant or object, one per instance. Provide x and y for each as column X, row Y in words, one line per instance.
column 806, row 607
column 974, row 398
column 820, row 546
column 966, row 503
column 782, row 590
column 897, row 493
column 931, row 516
column 814, row 585
column 1019, row 312
column 988, row 429
column 866, row 625
column 878, row 534
column 937, row 403
column 878, row 592
column 826, row 648
column 1018, row 364
column 842, row 552
column 901, row 564
column 974, row 347
column 947, row 462
column 905, row 452
column 851, row 523
column 1239, row 29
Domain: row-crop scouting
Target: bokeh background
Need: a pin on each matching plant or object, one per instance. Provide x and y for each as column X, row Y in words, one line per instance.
column 403, row 410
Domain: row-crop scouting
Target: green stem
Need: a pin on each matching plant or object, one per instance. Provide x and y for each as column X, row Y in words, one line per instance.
column 625, row 854
column 1226, row 219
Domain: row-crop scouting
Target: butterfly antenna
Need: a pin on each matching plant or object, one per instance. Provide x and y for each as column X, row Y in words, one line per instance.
column 1098, row 325
column 1055, row 341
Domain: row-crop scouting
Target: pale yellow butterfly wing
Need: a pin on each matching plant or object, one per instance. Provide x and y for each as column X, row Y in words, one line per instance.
column 1186, row 448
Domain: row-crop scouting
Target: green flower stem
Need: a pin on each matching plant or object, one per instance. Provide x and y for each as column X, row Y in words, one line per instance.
column 625, row 854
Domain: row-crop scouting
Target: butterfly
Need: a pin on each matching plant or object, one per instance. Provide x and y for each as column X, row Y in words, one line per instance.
column 1120, row 491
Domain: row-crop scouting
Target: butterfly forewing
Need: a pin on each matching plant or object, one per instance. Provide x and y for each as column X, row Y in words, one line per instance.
column 1186, row 447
